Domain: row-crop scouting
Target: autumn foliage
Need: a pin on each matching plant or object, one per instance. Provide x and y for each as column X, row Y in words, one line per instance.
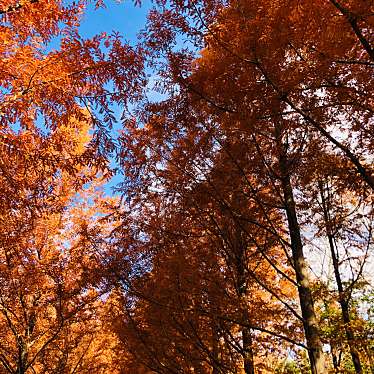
column 239, row 236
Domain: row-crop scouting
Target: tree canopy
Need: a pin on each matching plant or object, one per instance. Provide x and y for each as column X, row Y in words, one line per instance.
column 238, row 235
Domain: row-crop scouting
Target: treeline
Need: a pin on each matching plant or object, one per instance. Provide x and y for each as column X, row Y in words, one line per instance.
column 240, row 236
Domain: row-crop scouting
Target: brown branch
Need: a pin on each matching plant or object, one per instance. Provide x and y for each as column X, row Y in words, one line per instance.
column 353, row 21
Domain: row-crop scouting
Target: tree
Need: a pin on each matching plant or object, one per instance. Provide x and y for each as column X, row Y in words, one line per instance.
column 199, row 207
column 52, row 259
column 188, row 314
column 55, row 116
column 44, row 88
column 271, row 82
column 337, row 232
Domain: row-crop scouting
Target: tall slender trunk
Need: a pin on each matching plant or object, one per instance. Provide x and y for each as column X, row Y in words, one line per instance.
column 313, row 340
column 334, row 361
column 344, row 304
column 22, row 357
column 247, row 341
column 333, row 347
column 249, row 366
column 215, row 350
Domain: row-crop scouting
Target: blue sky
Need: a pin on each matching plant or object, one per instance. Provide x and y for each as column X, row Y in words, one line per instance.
column 123, row 17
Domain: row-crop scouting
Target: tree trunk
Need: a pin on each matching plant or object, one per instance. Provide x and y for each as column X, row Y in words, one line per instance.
column 247, row 342
column 22, row 358
column 342, row 298
column 335, row 361
column 249, row 367
column 215, row 350
column 313, row 340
